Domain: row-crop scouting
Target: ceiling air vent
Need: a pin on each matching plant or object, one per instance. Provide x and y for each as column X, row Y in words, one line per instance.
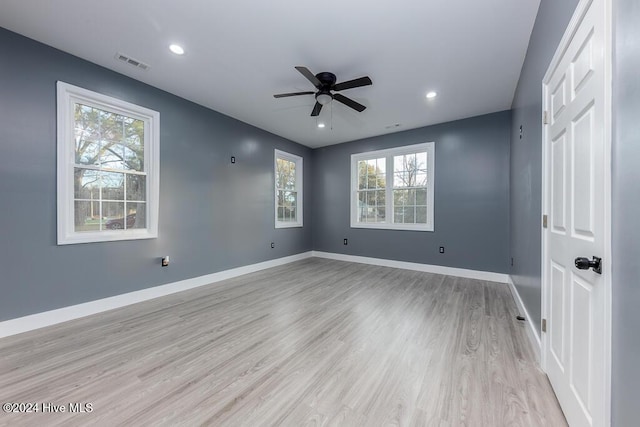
column 131, row 61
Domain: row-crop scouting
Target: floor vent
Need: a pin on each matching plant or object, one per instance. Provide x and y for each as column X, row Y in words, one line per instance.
column 131, row 61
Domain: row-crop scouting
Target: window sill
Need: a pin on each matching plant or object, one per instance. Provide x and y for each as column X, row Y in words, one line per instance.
column 288, row 225
column 399, row 227
column 105, row 236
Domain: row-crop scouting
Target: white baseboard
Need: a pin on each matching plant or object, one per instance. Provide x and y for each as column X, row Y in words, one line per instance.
column 48, row 318
column 437, row 269
column 531, row 329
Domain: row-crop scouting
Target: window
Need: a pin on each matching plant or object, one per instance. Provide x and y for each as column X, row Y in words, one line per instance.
column 393, row 189
column 108, row 160
column 288, row 172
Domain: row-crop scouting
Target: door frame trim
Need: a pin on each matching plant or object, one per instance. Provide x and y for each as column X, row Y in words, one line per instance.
column 576, row 20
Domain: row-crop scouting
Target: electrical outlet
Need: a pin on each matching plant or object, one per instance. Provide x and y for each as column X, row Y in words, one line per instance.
column 511, row 261
column 273, row 245
column 233, row 159
column 165, row 261
column 441, row 249
column 346, row 242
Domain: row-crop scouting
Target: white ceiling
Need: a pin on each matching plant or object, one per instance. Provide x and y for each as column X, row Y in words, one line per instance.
column 239, row 53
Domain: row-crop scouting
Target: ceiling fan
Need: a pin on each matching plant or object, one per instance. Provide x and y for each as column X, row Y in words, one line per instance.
column 325, row 82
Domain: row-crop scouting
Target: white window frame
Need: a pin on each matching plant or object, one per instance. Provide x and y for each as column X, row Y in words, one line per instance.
column 278, row 154
column 388, row 154
column 67, row 96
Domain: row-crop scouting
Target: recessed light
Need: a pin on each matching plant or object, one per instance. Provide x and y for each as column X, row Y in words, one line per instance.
column 320, row 125
column 431, row 95
column 177, row 49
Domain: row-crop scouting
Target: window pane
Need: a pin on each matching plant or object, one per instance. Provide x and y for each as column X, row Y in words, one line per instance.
column 112, row 186
column 86, row 183
column 381, row 214
column 421, row 161
column 398, row 215
column 400, row 197
column 280, row 213
column 411, row 197
column 290, row 176
column 112, row 155
column 112, row 134
column 421, row 179
column 136, row 187
column 371, row 174
column 409, row 215
column 134, row 144
column 400, row 179
column 421, row 214
column 111, row 126
column 86, row 216
column 87, row 152
column 398, row 163
column 421, row 196
column 113, row 215
column 371, row 214
column 86, row 122
column 136, row 217
column 290, row 198
column 380, row 181
column 380, row 197
column 86, row 134
column 362, row 175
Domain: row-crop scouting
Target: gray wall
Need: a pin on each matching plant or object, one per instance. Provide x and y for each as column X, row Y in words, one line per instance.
column 471, row 197
column 526, row 153
column 213, row 215
column 626, row 214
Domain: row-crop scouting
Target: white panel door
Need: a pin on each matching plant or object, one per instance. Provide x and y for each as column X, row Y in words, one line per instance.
column 576, row 192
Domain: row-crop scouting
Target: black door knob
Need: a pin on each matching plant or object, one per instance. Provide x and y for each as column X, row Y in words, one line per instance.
column 585, row 264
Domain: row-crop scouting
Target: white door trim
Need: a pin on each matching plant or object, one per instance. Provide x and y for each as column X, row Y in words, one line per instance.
column 581, row 10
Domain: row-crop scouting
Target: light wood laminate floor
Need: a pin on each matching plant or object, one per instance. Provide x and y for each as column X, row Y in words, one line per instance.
column 316, row 342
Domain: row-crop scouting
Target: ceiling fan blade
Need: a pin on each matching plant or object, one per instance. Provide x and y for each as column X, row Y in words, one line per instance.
column 362, row 81
column 349, row 102
column 310, row 76
column 284, row 95
column 316, row 109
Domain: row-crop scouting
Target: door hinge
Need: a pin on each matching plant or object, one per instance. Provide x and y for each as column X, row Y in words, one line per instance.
column 544, row 221
column 544, row 325
column 545, row 118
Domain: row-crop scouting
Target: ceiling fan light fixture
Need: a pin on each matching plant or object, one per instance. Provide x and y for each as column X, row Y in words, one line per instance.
column 324, row 98
column 432, row 94
column 320, row 125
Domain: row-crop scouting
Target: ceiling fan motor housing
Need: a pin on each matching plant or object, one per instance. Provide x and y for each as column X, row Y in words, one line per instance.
column 327, row 79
